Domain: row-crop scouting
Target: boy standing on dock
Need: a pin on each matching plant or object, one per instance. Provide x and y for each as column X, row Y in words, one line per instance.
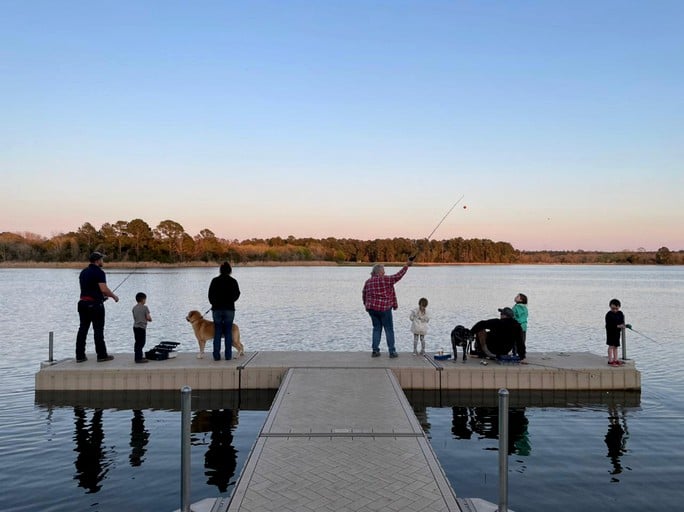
column 615, row 322
column 141, row 315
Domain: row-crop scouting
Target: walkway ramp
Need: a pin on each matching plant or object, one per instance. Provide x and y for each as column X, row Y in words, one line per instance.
column 342, row 440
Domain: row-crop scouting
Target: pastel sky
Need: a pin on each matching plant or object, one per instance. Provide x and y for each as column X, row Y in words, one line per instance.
column 560, row 123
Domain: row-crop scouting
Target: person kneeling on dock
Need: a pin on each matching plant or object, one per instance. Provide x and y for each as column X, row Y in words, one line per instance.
column 498, row 336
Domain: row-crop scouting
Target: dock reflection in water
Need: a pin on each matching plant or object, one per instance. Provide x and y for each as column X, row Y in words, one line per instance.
column 213, row 425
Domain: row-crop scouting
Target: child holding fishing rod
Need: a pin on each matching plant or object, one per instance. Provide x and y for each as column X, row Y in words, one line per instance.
column 141, row 315
column 615, row 323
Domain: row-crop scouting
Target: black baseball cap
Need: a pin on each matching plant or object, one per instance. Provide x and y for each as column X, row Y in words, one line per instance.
column 506, row 312
column 94, row 256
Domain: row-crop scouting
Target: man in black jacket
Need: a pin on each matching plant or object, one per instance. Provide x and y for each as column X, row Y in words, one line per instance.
column 498, row 336
column 223, row 292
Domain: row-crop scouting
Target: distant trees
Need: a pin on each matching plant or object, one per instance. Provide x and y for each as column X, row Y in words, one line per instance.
column 140, row 235
column 168, row 242
column 663, row 256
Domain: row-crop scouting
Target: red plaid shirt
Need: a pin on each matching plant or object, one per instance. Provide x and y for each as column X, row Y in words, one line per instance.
column 378, row 292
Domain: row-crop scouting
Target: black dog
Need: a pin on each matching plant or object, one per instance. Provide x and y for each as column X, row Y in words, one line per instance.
column 461, row 337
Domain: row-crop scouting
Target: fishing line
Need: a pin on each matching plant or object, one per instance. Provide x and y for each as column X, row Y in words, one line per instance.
column 124, row 280
column 443, row 218
column 641, row 334
column 427, row 238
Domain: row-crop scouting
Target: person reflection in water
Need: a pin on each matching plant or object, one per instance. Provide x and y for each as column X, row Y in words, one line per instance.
column 461, row 424
column 221, row 458
column 139, row 439
column 616, row 442
column 484, row 421
column 91, row 462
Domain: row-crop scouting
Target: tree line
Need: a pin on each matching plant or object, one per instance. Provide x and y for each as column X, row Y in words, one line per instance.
column 168, row 243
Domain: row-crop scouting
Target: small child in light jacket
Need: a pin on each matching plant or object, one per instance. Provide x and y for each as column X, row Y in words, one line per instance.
column 419, row 325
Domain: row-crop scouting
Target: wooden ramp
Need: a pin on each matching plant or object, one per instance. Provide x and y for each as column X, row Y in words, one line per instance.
column 343, row 440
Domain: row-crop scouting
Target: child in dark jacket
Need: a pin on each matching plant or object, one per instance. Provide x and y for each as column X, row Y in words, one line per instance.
column 615, row 322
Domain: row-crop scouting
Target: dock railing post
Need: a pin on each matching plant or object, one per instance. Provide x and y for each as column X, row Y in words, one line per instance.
column 503, row 450
column 624, row 344
column 51, row 345
column 185, row 448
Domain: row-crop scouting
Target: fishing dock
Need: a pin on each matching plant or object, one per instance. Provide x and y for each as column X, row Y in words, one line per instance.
column 547, row 371
column 340, row 433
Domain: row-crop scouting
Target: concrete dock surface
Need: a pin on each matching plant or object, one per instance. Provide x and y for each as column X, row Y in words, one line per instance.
column 266, row 369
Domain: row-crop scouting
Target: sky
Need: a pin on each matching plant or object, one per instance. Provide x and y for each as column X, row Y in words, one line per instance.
column 559, row 125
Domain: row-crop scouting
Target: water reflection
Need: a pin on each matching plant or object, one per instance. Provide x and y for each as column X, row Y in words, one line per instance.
column 220, row 460
column 139, row 439
column 92, row 460
column 484, row 421
column 616, row 440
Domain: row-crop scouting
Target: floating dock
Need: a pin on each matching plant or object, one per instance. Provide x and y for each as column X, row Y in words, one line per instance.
column 314, row 454
column 340, row 433
column 545, row 371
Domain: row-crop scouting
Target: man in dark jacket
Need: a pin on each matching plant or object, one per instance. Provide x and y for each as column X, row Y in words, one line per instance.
column 91, row 310
column 498, row 336
column 223, row 292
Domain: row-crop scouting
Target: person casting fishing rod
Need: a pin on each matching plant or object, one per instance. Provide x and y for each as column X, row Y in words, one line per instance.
column 379, row 299
column 94, row 291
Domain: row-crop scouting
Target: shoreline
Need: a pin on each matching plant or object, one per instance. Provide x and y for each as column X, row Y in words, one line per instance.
column 203, row 264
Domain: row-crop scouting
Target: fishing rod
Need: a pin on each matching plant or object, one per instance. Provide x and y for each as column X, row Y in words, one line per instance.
column 628, row 326
column 124, row 280
column 427, row 238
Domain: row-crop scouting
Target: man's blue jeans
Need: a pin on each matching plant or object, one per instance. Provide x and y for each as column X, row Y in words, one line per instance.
column 223, row 326
column 382, row 320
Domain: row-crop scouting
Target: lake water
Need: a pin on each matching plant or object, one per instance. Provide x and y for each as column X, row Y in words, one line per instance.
column 571, row 452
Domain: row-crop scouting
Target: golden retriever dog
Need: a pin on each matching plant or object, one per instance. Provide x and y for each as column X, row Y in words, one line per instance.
column 204, row 331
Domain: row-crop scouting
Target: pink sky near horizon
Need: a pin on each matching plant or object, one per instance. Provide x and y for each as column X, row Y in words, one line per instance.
column 561, row 124
column 558, row 231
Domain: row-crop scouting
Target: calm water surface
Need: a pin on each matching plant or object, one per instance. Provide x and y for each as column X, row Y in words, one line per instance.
column 606, row 452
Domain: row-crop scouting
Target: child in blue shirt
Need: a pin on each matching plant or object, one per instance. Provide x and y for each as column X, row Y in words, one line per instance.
column 520, row 315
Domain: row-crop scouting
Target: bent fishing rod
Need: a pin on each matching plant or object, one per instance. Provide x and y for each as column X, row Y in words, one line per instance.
column 628, row 326
column 438, row 224
column 124, row 280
